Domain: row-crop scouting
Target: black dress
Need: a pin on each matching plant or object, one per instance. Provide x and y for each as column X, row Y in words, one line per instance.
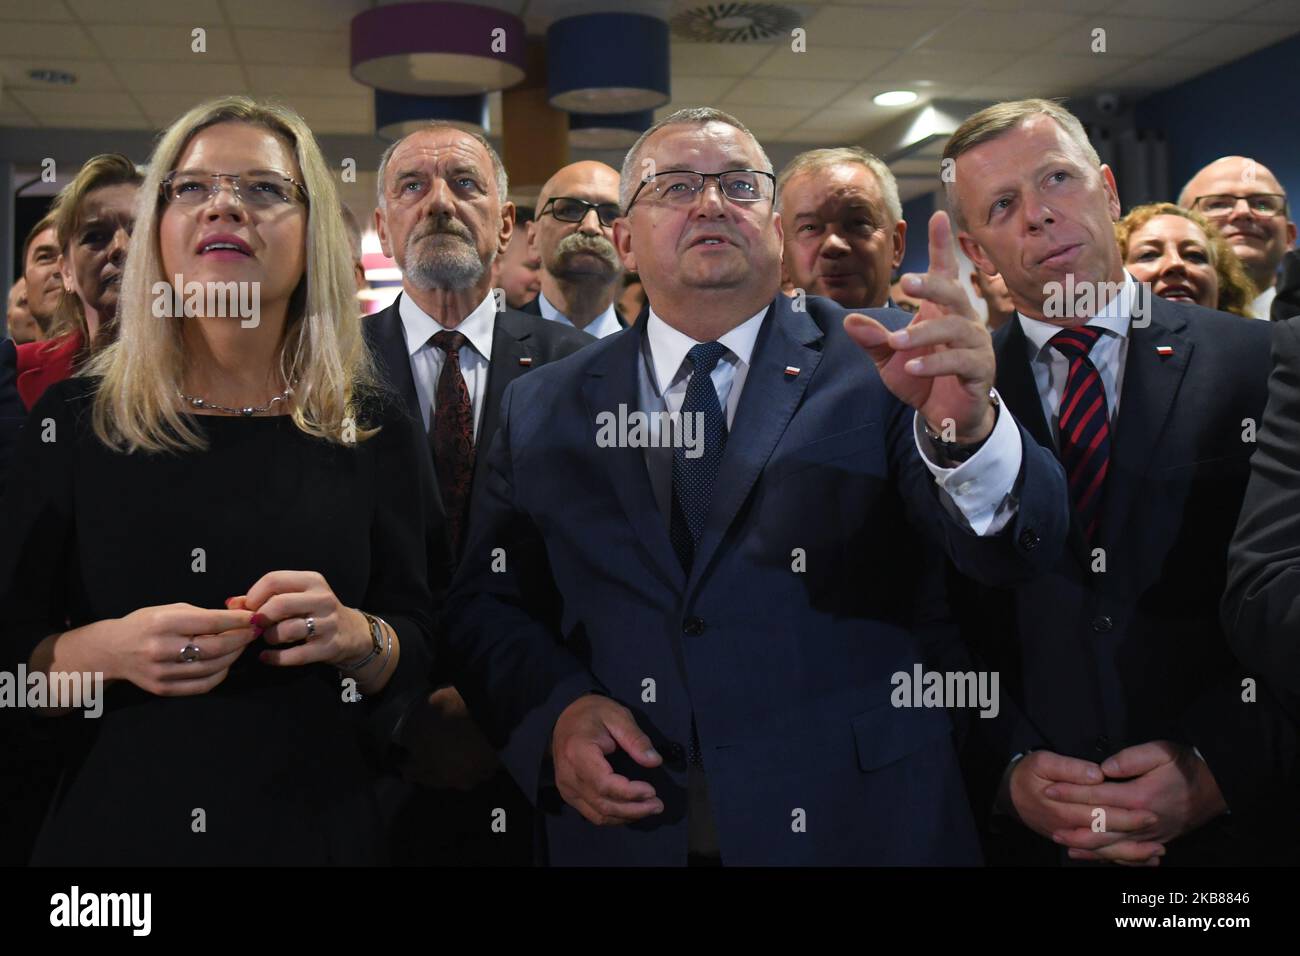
column 275, row 758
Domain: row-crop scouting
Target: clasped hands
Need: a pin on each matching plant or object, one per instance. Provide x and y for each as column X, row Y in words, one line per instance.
column 146, row 645
column 1150, row 794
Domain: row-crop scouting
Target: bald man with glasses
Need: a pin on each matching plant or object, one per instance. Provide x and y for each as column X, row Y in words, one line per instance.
column 573, row 236
column 1247, row 203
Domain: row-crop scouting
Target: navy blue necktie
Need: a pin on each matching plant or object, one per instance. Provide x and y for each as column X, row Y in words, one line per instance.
column 1084, row 427
column 693, row 478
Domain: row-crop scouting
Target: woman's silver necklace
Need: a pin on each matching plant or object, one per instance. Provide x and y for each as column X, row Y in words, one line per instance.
column 247, row 411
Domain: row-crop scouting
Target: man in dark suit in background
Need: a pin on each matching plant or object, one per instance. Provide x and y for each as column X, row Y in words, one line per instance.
column 1114, row 664
column 685, row 647
column 449, row 351
column 572, row 238
column 1261, row 609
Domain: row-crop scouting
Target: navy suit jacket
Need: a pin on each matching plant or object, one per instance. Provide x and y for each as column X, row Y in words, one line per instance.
column 569, row 585
column 1091, row 662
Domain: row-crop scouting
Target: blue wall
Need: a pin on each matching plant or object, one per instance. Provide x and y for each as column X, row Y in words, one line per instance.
column 916, row 213
column 1247, row 108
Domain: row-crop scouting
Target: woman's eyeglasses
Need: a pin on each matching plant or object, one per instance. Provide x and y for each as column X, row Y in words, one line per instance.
column 259, row 189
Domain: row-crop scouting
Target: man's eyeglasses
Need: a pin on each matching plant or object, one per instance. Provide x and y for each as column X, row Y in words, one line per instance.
column 1264, row 205
column 259, row 189
column 679, row 187
column 572, row 209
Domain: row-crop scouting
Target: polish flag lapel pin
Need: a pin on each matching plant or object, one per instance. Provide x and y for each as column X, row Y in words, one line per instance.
column 791, row 371
column 525, row 361
column 1164, row 351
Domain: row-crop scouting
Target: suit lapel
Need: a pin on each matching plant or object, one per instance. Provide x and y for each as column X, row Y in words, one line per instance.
column 390, row 346
column 787, row 339
column 613, row 381
column 511, row 342
column 1151, row 383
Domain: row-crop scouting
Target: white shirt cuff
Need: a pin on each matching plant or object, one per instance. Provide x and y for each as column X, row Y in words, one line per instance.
column 981, row 486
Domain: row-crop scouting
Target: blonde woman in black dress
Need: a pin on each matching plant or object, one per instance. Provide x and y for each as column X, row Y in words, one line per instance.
column 227, row 520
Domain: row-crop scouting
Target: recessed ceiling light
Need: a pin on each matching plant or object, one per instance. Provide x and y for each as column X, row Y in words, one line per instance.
column 61, row 77
column 894, row 98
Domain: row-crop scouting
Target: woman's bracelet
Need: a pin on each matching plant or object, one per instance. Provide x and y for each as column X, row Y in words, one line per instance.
column 378, row 628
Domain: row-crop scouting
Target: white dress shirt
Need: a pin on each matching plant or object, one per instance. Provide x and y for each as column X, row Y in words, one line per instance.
column 427, row 359
column 1262, row 307
column 602, row 325
column 980, row 487
column 1109, row 355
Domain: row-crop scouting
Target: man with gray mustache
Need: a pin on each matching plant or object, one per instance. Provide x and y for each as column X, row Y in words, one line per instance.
column 573, row 237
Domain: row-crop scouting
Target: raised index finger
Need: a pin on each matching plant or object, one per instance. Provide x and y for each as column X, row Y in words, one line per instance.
column 943, row 257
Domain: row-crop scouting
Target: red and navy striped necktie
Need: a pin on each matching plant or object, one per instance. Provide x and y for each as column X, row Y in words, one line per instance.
column 1084, row 430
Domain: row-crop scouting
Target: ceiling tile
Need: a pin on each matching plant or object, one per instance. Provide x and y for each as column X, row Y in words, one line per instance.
column 96, row 121
column 335, row 114
column 872, row 27
column 46, row 103
column 765, row 92
column 34, row 10
column 1074, row 7
column 93, row 75
column 295, row 47
column 701, row 89
column 825, row 63
column 191, row 13
column 1274, row 11
column 1228, row 41
column 770, row 117
column 1080, row 70
column 1125, row 36
column 13, row 114
column 163, row 108
column 994, row 31
column 716, row 59
column 298, row 14
column 172, row 42
column 143, row 76
column 66, row 41
column 319, row 80
column 948, row 66
column 1215, row 10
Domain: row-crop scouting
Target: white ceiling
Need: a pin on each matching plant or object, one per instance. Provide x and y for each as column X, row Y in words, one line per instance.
column 135, row 69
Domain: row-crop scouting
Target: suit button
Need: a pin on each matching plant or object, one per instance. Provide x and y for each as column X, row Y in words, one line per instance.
column 675, row 755
column 1029, row 539
column 694, row 626
column 1102, row 623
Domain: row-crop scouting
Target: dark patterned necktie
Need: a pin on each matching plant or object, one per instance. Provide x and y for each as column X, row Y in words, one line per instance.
column 451, row 437
column 1084, row 427
column 693, row 478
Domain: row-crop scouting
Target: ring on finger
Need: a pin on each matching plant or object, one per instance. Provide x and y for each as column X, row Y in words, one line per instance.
column 190, row 653
column 311, row 628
